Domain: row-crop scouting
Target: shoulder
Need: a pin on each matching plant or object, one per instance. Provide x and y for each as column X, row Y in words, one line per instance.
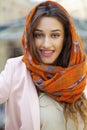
column 15, row 65
column 17, row 70
column 15, row 62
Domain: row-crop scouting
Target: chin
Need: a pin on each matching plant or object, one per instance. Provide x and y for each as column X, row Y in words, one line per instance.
column 48, row 63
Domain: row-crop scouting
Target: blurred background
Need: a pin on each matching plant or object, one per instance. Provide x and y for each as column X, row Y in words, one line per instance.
column 12, row 18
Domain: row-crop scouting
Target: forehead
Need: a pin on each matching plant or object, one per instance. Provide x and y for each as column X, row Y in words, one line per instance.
column 49, row 23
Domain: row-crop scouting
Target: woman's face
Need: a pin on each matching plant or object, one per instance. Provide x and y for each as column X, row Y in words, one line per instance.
column 49, row 37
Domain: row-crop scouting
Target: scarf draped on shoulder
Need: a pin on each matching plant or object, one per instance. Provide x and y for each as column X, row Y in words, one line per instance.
column 62, row 84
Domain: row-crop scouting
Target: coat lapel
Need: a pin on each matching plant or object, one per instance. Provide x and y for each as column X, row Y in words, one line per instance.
column 30, row 117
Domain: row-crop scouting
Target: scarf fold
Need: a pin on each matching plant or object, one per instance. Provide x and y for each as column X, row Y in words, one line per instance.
column 62, row 84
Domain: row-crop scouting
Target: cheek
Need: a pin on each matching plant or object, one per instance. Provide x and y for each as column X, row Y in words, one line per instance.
column 38, row 43
column 59, row 45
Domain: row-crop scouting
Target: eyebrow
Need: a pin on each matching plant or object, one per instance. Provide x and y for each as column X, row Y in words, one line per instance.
column 51, row 30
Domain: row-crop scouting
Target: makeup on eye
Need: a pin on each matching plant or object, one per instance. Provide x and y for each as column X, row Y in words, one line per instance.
column 55, row 35
column 42, row 35
column 38, row 35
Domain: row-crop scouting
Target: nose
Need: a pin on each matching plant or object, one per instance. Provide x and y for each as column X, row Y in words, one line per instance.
column 46, row 42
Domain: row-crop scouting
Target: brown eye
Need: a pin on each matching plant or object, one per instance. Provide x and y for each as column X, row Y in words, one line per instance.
column 55, row 35
column 37, row 35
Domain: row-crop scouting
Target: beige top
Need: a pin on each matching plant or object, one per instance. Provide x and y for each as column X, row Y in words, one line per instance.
column 52, row 117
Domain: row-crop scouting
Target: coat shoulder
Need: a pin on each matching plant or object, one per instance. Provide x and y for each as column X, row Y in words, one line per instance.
column 15, row 62
column 16, row 66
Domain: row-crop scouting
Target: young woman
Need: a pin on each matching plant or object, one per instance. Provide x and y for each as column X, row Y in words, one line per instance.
column 45, row 89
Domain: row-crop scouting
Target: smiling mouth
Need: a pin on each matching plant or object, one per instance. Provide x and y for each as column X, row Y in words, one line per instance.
column 47, row 53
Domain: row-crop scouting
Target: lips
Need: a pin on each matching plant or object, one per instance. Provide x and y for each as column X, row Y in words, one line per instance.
column 47, row 53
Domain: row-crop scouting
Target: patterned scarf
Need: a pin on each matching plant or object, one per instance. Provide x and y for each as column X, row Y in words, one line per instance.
column 62, row 84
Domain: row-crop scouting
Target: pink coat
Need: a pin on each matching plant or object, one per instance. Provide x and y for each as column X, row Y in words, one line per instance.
column 19, row 93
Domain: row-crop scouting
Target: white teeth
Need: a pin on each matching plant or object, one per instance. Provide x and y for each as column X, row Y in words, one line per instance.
column 47, row 52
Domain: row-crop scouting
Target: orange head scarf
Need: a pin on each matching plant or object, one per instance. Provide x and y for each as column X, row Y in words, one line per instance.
column 62, row 84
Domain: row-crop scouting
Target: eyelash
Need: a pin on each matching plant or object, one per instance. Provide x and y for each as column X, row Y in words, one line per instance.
column 55, row 35
column 38, row 35
column 42, row 35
